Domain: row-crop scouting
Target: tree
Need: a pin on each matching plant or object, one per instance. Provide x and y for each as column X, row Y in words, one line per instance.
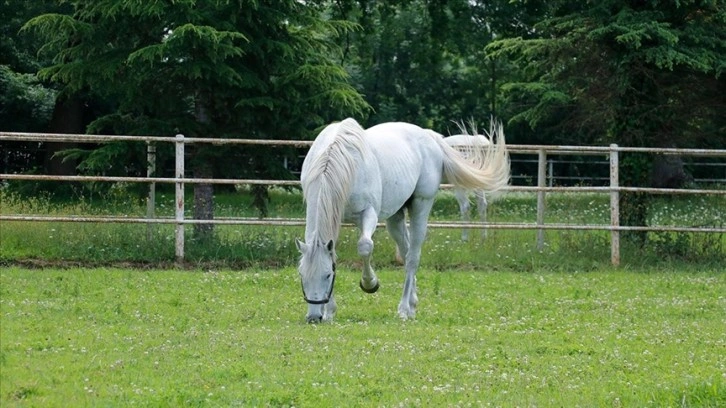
column 256, row 69
column 26, row 103
column 416, row 61
column 630, row 72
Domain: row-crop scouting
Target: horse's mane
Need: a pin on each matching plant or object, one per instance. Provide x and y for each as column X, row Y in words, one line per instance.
column 330, row 176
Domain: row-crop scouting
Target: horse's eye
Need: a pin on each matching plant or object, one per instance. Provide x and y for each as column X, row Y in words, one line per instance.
column 327, row 276
column 333, row 266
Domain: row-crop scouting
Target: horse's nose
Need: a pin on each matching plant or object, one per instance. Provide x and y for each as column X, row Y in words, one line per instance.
column 314, row 317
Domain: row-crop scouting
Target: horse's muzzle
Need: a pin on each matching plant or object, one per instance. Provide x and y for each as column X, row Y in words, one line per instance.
column 314, row 319
column 323, row 301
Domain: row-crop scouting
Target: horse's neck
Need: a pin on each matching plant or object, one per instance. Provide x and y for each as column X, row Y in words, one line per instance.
column 319, row 224
column 328, row 178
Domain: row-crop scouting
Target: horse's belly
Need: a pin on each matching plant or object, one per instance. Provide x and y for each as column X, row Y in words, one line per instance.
column 385, row 188
column 384, row 205
column 401, row 166
column 394, row 197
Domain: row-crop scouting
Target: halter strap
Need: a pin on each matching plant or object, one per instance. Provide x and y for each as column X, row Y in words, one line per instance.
column 327, row 298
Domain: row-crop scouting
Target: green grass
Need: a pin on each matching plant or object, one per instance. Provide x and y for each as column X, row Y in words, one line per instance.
column 608, row 337
column 246, row 246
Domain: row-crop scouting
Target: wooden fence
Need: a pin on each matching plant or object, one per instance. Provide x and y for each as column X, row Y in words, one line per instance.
column 541, row 151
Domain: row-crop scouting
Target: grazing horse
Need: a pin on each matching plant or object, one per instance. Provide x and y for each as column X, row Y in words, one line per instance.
column 363, row 176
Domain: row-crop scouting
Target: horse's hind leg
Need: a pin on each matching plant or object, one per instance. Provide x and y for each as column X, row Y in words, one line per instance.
column 481, row 206
column 368, row 221
column 396, row 225
column 462, row 196
column 418, row 213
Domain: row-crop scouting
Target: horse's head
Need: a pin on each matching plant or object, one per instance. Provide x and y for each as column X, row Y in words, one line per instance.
column 317, row 275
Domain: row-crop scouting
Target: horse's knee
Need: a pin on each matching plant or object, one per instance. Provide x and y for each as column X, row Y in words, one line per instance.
column 365, row 247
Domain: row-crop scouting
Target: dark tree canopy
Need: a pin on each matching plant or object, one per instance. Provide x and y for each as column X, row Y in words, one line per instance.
column 254, row 69
column 637, row 73
column 237, row 66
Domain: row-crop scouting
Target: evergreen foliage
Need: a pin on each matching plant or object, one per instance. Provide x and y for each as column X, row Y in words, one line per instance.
column 636, row 73
column 630, row 72
column 25, row 103
column 157, row 60
column 419, row 61
column 252, row 69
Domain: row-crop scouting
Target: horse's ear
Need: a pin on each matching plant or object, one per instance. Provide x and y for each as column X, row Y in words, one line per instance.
column 330, row 246
column 301, row 246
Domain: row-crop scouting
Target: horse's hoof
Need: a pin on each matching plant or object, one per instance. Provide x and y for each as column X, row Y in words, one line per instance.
column 406, row 314
column 371, row 290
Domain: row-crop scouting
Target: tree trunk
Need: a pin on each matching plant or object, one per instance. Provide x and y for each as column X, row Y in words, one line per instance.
column 669, row 172
column 637, row 126
column 202, row 168
column 203, row 202
column 67, row 118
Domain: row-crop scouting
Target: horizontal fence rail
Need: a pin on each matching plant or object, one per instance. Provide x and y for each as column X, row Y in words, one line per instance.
column 514, row 148
column 179, row 180
column 185, row 180
column 300, row 222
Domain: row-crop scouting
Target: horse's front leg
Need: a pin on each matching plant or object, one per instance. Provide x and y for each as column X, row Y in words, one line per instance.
column 368, row 221
column 329, row 309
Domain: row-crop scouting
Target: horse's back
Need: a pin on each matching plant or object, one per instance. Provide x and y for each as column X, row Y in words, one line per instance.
column 409, row 159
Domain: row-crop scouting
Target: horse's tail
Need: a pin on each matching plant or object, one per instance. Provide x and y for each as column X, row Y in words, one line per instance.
column 485, row 167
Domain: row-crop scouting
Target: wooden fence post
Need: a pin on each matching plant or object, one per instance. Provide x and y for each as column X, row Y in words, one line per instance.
column 179, row 197
column 614, row 206
column 541, row 183
column 150, row 172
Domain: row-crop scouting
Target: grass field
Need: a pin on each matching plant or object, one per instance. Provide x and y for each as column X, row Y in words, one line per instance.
column 117, row 337
column 499, row 322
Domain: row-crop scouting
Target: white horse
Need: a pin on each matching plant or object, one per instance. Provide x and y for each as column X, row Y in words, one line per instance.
column 364, row 176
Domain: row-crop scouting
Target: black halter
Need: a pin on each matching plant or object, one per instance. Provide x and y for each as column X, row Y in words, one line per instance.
column 327, row 298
